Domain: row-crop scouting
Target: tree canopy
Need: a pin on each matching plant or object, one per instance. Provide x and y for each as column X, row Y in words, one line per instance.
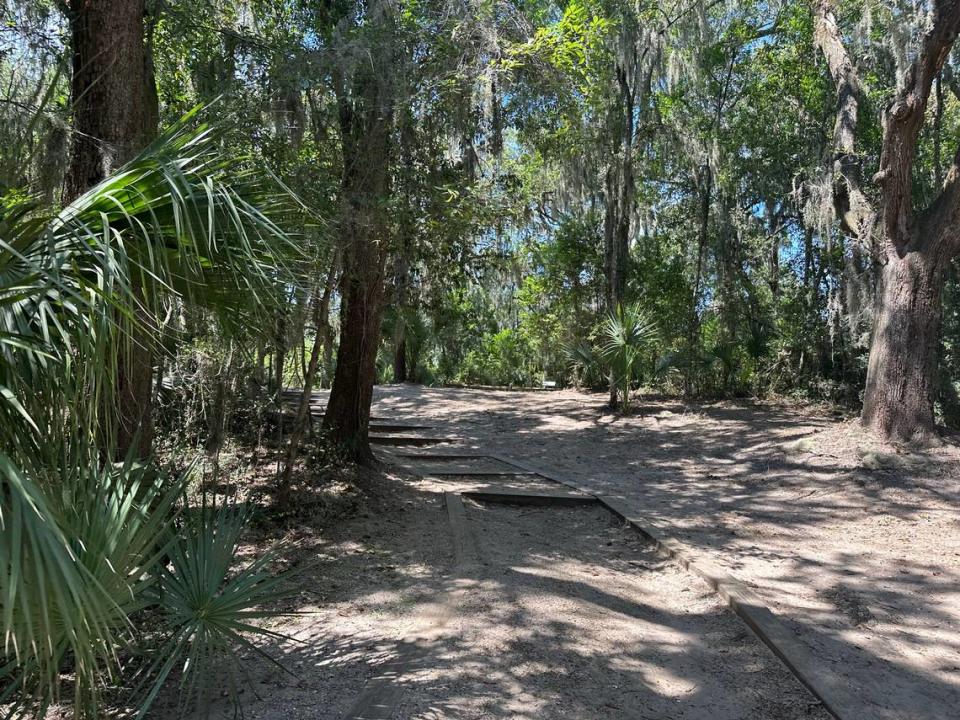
column 206, row 205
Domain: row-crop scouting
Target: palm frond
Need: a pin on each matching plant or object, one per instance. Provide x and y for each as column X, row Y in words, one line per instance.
column 626, row 334
column 208, row 611
column 79, row 540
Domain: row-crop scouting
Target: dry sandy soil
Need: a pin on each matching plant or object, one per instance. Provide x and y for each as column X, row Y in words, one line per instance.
column 855, row 545
column 572, row 616
column 562, row 613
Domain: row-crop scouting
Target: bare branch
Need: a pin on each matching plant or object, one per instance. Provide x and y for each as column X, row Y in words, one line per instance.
column 842, row 71
column 851, row 205
column 904, row 118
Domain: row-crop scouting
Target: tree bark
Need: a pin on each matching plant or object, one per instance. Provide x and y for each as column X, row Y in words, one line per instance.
column 902, row 379
column 347, row 415
column 916, row 248
column 365, row 111
column 115, row 115
column 113, row 94
column 616, row 231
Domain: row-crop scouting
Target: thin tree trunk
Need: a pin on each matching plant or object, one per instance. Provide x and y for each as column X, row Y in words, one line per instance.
column 328, row 362
column 703, row 235
column 115, row 115
column 280, row 351
column 406, row 232
column 619, row 187
column 619, row 193
column 773, row 257
column 303, row 410
column 401, row 272
column 131, row 417
column 278, row 362
column 302, row 350
column 807, row 257
column 400, row 358
column 325, row 321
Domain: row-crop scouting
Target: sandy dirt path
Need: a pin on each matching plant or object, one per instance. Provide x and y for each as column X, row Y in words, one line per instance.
column 563, row 613
column 570, row 615
column 856, row 547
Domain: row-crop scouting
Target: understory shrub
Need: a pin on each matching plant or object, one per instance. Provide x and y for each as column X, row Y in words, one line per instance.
column 503, row 358
column 89, row 538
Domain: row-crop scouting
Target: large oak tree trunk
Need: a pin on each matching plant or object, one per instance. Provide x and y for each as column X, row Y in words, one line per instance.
column 902, row 373
column 917, row 244
column 115, row 114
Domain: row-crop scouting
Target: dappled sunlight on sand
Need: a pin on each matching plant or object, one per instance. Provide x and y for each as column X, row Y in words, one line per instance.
column 856, row 545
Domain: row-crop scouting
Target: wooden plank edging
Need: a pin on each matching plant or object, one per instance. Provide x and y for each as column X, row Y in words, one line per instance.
column 745, row 603
column 529, row 497
column 825, row 686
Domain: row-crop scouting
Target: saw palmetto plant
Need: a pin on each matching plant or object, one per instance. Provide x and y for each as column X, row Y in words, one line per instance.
column 626, row 335
column 81, row 537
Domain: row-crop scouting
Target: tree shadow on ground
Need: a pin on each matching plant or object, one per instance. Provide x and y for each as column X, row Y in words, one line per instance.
column 565, row 617
column 861, row 560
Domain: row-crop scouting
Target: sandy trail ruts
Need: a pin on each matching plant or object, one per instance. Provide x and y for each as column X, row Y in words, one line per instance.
column 856, row 546
column 565, row 614
column 572, row 616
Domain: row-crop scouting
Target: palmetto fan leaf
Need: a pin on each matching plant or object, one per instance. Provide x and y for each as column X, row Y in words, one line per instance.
column 206, row 608
column 191, row 221
column 626, row 334
column 75, row 284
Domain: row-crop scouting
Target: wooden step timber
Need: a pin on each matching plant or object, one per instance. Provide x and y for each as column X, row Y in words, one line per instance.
column 418, row 440
column 529, row 497
column 383, row 426
column 464, row 471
